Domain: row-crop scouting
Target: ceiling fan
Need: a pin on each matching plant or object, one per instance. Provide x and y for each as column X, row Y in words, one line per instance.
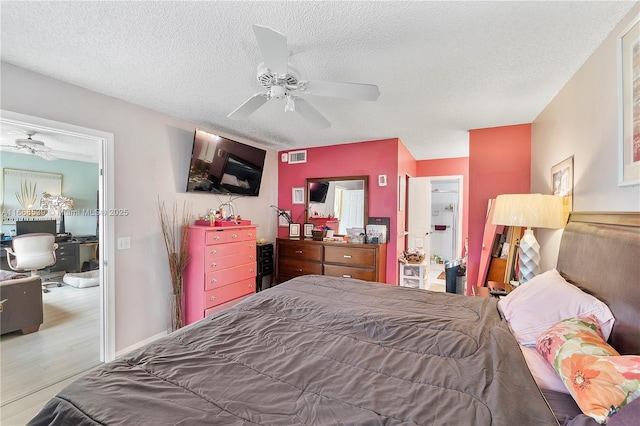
column 282, row 81
column 35, row 147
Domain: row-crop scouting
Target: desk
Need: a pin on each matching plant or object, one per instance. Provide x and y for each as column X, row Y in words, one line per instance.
column 67, row 257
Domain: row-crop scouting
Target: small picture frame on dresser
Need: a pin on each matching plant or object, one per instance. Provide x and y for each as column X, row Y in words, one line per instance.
column 294, row 230
column 308, row 230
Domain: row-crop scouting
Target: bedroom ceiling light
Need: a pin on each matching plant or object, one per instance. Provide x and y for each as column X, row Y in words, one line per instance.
column 530, row 211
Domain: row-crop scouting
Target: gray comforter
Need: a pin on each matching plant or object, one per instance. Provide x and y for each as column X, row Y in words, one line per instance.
column 320, row 351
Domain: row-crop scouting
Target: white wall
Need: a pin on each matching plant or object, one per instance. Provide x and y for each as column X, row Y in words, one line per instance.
column 152, row 154
column 582, row 120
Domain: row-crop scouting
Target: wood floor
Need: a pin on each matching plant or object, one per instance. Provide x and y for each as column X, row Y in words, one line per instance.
column 66, row 345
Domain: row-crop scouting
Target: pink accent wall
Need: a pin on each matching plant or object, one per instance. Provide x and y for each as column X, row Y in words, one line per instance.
column 371, row 158
column 450, row 167
column 499, row 163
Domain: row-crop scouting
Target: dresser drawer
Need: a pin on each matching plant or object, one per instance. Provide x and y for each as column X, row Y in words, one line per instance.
column 347, row 272
column 228, row 236
column 350, row 256
column 230, row 275
column 228, row 292
column 249, row 234
column 224, row 262
column 221, row 250
column 302, row 251
column 295, row 268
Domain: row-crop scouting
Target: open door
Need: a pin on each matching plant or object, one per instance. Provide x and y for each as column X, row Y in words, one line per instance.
column 419, row 213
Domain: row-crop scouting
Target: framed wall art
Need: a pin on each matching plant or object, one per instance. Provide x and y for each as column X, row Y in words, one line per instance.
column 297, row 195
column 22, row 192
column 629, row 106
column 562, row 184
column 283, row 218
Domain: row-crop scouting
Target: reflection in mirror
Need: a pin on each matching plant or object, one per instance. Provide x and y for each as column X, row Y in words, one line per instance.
column 338, row 202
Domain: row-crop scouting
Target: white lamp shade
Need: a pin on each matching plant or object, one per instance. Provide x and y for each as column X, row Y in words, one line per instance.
column 529, row 210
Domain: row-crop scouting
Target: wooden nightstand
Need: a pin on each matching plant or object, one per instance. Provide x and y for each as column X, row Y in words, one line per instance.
column 492, row 286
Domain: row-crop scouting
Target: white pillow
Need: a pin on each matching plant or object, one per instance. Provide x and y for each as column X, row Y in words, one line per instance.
column 547, row 298
column 542, row 372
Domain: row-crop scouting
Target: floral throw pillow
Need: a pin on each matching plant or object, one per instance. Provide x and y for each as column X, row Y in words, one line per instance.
column 599, row 379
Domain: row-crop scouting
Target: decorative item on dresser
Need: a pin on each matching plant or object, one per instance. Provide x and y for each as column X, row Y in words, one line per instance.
column 222, row 268
column 304, row 257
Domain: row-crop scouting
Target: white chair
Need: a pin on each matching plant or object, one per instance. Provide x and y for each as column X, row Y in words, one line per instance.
column 32, row 252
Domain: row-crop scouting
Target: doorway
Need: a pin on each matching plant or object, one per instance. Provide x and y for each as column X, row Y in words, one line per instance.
column 103, row 295
column 434, row 223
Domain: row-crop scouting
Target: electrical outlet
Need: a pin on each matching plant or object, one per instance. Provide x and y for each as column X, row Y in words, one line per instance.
column 124, row 243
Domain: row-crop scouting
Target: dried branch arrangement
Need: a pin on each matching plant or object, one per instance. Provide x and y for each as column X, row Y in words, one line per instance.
column 176, row 237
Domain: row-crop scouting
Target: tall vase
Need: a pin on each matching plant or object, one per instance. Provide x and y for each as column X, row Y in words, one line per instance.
column 176, row 311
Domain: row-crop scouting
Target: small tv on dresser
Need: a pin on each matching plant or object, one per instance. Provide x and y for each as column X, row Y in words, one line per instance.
column 224, row 166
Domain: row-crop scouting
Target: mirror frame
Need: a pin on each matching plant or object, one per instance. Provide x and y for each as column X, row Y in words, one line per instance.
column 337, row 179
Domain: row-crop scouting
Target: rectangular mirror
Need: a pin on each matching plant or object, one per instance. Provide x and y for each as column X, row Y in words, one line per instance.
column 338, row 202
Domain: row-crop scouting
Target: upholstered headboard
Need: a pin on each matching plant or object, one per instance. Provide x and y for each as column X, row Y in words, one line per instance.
column 600, row 253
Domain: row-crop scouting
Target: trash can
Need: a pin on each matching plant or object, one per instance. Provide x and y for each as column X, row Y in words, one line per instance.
column 454, row 276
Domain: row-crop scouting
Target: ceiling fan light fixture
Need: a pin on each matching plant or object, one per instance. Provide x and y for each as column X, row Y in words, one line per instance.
column 290, row 104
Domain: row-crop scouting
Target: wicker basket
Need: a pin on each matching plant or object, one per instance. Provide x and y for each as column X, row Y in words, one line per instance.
column 318, row 235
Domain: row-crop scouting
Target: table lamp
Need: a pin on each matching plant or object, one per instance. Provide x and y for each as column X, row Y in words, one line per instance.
column 530, row 211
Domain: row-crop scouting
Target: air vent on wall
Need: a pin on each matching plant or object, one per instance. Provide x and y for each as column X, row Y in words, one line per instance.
column 296, row 157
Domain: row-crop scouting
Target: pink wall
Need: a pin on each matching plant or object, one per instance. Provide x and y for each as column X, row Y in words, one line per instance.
column 370, row 158
column 450, row 167
column 499, row 163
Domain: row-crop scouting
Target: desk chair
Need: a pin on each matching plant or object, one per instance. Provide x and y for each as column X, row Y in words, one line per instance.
column 32, row 252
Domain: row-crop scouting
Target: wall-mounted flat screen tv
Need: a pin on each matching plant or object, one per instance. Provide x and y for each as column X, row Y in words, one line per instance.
column 223, row 166
column 318, row 191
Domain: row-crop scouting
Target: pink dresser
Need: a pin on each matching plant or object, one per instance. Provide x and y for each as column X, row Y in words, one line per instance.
column 221, row 268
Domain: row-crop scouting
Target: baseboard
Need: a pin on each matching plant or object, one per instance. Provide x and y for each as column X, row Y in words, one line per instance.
column 140, row 344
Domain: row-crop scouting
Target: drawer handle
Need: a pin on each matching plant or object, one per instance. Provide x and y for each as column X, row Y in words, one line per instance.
column 214, row 264
column 299, row 270
column 216, row 237
column 250, row 285
column 251, row 257
column 251, row 270
column 234, row 236
column 250, row 234
column 299, row 251
column 214, row 251
column 251, row 246
column 212, row 298
column 347, row 256
column 214, row 280
column 346, row 276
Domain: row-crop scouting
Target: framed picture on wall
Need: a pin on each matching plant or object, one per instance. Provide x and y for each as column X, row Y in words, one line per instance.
column 297, row 195
column 629, row 106
column 562, row 183
column 283, row 218
column 22, row 194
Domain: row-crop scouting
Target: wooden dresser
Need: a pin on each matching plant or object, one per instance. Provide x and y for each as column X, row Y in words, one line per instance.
column 221, row 268
column 304, row 257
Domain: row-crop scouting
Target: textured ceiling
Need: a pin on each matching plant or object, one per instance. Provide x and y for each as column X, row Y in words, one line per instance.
column 443, row 68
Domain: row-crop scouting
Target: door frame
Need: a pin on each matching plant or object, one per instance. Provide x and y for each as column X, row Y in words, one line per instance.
column 459, row 219
column 106, row 188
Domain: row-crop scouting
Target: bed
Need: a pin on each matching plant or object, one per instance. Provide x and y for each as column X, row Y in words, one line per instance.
column 323, row 351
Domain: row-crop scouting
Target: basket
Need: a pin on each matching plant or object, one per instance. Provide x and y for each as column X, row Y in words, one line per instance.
column 414, row 258
column 318, row 235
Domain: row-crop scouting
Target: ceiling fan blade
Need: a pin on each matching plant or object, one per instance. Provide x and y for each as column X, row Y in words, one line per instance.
column 366, row 92
column 311, row 114
column 247, row 108
column 67, row 155
column 273, row 46
column 46, row 155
